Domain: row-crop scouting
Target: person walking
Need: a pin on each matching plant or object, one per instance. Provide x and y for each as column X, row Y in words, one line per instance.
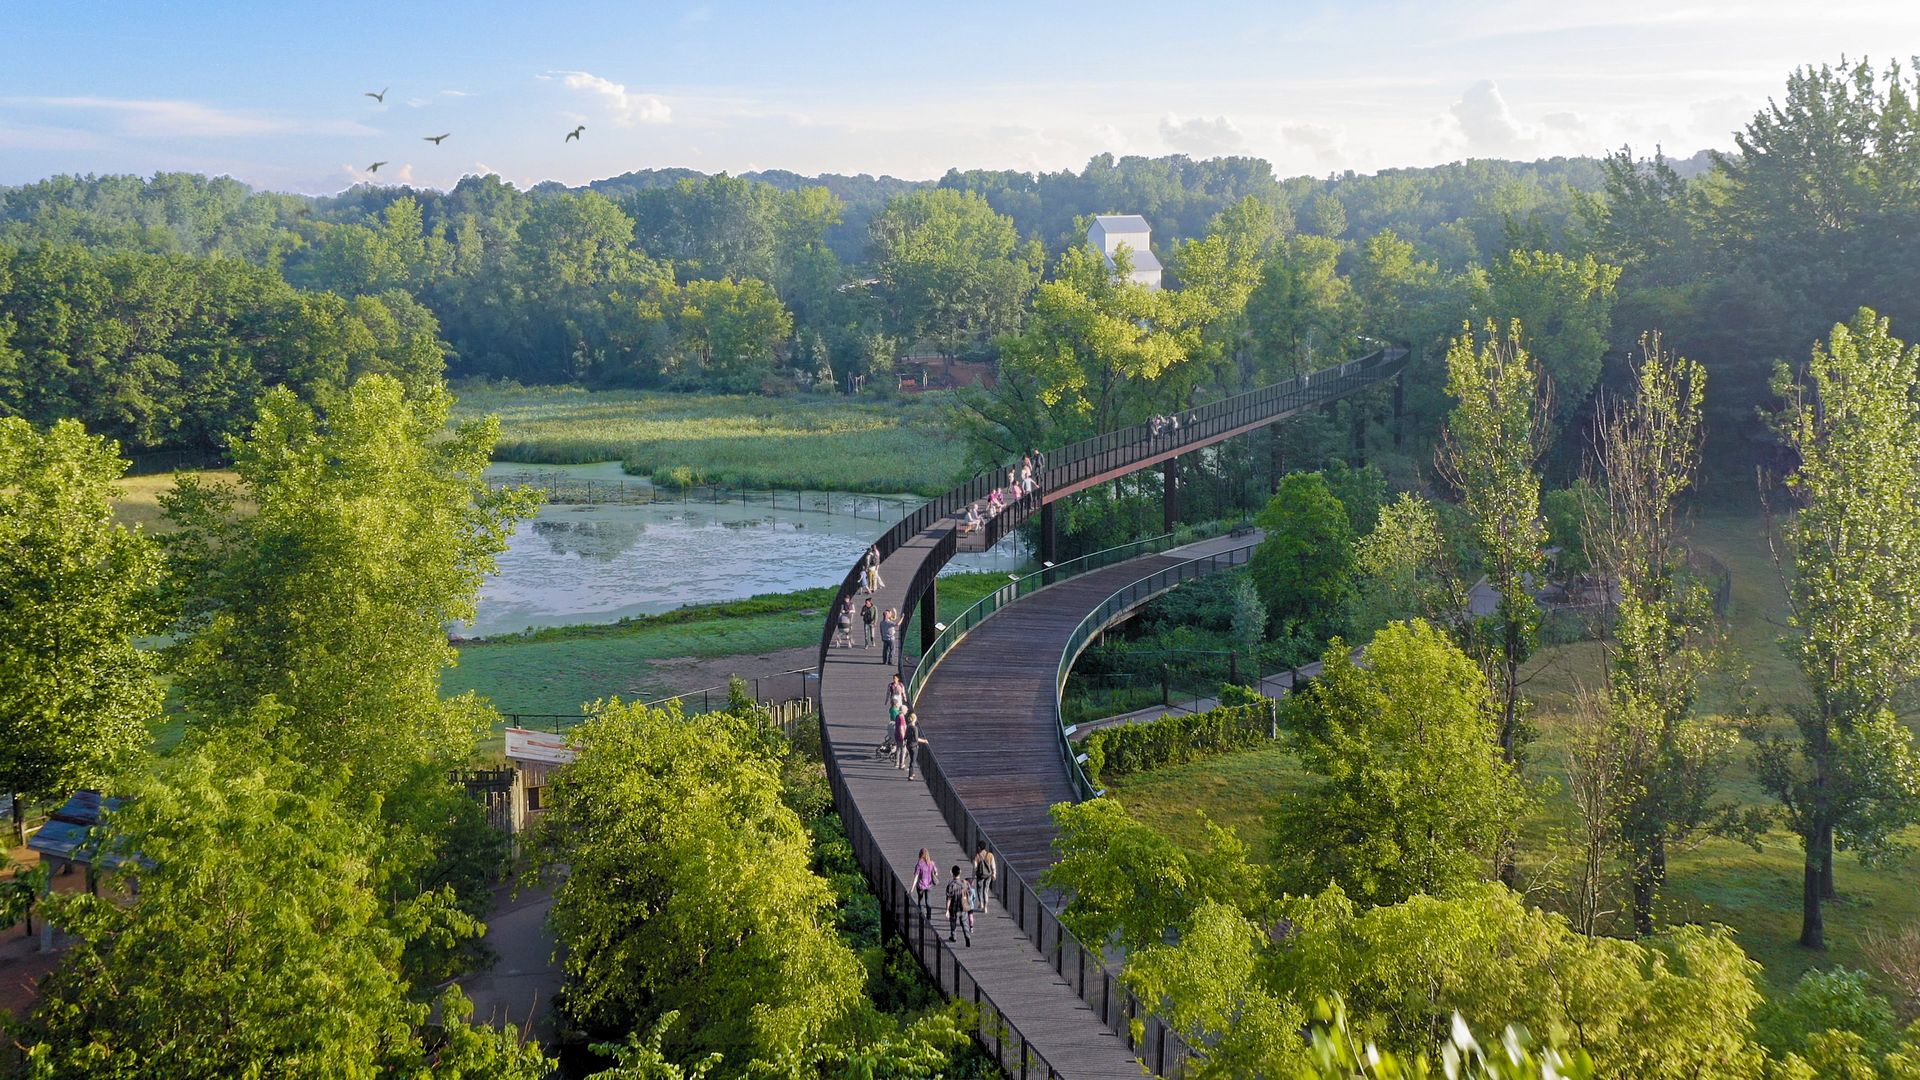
column 925, row 876
column 913, row 741
column 874, row 584
column 985, row 870
column 845, row 637
column 866, row 619
column 957, row 895
column 902, row 753
column 889, row 634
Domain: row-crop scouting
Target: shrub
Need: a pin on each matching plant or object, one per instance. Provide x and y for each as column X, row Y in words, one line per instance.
column 1172, row 740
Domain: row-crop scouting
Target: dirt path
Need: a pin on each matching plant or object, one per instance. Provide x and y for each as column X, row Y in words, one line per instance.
column 686, row 674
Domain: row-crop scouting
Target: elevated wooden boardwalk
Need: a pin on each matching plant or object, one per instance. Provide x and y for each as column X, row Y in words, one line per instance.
column 988, row 708
column 995, row 761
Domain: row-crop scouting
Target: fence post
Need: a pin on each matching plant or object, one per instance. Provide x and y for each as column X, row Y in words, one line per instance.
column 1166, row 686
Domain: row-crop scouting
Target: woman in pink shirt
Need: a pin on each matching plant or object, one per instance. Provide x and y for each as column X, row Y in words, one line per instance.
column 924, row 875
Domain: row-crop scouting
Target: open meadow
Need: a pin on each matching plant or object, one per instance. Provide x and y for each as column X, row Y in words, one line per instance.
column 813, row 443
column 1757, row 893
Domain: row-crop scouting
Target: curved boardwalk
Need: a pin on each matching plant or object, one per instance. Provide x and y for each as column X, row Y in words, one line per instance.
column 903, row 817
column 995, row 755
column 988, row 709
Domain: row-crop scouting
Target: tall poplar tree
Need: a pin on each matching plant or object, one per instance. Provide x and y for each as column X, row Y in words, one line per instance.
column 1494, row 438
column 1666, row 762
column 76, row 694
column 1851, row 779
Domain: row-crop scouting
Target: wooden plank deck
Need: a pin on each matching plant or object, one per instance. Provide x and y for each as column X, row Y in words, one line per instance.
column 987, row 712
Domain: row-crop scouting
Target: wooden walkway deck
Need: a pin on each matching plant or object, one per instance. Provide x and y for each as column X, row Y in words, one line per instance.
column 988, row 714
column 903, row 818
column 988, row 709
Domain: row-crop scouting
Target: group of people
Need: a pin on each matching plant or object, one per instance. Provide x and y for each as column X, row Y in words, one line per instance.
column 888, row 633
column 965, row 899
column 1166, row 426
column 1022, row 481
column 903, row 726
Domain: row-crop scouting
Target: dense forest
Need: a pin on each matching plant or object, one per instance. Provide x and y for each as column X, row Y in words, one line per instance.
column 155, row 309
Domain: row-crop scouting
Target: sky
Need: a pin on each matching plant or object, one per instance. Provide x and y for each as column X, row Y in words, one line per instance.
column 272, row 92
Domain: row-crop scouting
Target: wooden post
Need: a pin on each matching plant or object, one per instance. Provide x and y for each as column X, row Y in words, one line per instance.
column 1049, row 535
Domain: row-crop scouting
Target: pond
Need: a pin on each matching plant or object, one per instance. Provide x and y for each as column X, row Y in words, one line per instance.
column 578, row 563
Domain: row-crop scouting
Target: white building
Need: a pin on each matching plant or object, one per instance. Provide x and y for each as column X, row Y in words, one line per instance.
column 1109, row 232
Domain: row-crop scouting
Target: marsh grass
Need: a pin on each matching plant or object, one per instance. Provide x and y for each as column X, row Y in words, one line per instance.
column 811, row 443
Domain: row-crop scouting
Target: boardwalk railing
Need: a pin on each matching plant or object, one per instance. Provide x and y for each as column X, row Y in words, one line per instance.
column 1040, row 579
column 1111, row 609
column 1010, row 1049
column 1159, row 1047
column 1113, row 451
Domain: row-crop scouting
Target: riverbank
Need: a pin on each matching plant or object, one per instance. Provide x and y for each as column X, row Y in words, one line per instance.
column 558, row 669
column 826, row 443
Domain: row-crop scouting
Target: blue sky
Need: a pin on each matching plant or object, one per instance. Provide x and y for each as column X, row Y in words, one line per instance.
column 270, row 92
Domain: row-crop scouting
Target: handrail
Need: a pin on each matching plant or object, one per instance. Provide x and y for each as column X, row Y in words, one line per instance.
column 1159, row 1046
column 1103, row 453
column 978, row 611
column 1074, row 464
column 1011, row 1050
column 1123, row 600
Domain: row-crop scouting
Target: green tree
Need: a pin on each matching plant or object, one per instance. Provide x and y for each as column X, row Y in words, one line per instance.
column 1304, row 565
column 688, row 889
column 370, row 531
column 1668, row 761
column 730, row 333
column 1301, row 309
column 1564, row 307
column 76, row 692
column 1851, row 779
column 254, row 944
column 1127, row 883
column 954, row 273
column 1412, row 795
column 1493, row 439
column 1407, row 568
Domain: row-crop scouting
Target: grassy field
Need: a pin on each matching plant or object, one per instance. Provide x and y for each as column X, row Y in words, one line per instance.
column 138, row 502
column 556, row 671
column 738, row 441
column 1755, row 893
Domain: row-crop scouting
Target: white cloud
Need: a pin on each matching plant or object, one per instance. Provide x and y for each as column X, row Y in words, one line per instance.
column 455, row 93
column 163, row 118
column 1486, row 122
column 1200, row 136
column 418, row 103
column 623, row 106
column 1322, row 142
column 1564, row 121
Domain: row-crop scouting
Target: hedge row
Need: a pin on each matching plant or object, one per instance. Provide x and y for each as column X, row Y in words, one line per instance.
column 1171, row 740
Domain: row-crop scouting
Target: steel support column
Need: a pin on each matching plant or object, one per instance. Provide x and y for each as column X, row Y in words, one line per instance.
column 1170, row 495
column 929, row 615
column 1049, row 535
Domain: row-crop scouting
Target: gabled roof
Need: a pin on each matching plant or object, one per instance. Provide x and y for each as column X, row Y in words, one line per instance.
column 1122, row 223
column 1140, row 260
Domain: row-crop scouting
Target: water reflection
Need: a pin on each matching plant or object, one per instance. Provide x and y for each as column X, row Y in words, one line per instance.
column 577, row 564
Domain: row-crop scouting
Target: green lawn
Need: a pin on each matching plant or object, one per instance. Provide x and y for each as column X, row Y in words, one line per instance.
column 1755, row 893
column 556, row 671
column 813, row 443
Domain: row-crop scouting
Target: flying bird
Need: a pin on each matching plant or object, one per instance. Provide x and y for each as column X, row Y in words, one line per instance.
column 380, row 97
column 575, row 133
column 435, row 139
column 375, row 167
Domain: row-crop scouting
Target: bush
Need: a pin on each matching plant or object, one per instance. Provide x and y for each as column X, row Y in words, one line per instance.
column 1173, row 740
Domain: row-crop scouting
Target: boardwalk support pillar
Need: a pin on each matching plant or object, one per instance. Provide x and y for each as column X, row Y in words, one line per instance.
column 929, row 617
column 1278, row 450
column 1170, row 494
column 1049, row 535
